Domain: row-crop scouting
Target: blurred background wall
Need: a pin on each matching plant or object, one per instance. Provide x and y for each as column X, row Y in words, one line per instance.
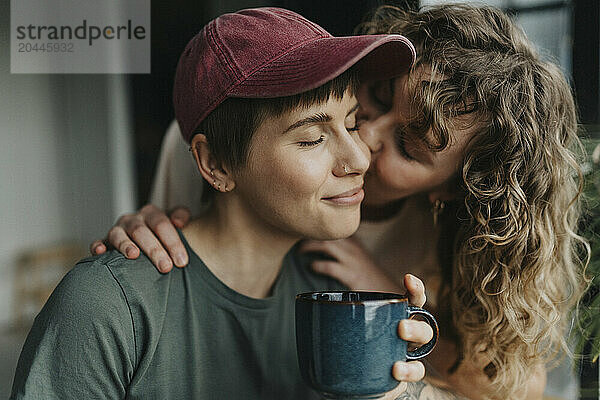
column 79, row 150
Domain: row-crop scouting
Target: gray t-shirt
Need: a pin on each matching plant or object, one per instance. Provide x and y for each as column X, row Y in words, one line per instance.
column 116, row 328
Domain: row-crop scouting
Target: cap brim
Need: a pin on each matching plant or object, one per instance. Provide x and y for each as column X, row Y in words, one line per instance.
column 315, row 63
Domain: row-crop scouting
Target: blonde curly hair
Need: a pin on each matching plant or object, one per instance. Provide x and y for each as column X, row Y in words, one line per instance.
column 515, row 270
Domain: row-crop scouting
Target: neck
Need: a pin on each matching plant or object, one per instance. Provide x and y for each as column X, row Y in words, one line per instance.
column 381, row 212
column 238, row 247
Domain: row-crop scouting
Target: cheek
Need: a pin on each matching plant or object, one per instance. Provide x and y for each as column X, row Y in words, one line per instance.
column 289, row 179
column 396, row 178
column 394, row 172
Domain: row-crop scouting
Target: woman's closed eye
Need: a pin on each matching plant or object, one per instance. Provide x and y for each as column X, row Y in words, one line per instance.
column 401, row 142
column 311, row 143
column 355, row 128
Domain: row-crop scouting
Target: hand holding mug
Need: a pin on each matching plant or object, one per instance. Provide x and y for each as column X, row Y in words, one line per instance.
column 348, row 341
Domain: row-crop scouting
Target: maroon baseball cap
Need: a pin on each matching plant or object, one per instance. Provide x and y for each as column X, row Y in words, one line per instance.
column 273, row 52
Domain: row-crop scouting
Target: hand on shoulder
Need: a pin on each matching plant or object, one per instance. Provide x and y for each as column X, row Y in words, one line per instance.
column 152, row 231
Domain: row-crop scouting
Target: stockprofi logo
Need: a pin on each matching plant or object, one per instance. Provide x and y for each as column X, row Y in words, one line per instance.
column 90, row 33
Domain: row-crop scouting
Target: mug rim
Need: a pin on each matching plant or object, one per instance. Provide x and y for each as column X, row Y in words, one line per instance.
column 399, row 299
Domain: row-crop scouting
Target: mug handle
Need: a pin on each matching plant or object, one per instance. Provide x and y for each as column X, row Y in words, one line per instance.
column 424, row 350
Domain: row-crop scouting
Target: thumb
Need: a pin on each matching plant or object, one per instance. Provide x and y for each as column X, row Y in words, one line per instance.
column 415, row 289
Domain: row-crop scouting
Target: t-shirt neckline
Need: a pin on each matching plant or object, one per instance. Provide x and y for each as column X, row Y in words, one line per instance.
column 223, row 293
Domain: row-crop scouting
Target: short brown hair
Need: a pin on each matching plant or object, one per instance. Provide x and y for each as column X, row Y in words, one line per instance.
column 230, row 127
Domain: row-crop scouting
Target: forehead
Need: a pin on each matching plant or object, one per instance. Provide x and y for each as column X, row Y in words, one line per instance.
column 334, row 107
column 427, row 123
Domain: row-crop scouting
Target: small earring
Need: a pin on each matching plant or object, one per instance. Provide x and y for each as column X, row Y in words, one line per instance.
column 346, row 169
column 437, row 209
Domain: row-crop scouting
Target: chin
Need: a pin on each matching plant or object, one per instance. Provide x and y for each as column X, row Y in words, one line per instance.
column 340, row 229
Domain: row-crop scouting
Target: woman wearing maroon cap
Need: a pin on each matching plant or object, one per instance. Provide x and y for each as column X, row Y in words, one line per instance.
column 282, row 161
column 473, row 185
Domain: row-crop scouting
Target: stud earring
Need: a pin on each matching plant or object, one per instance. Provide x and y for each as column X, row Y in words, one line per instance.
column 437, row 209
column 346, row 169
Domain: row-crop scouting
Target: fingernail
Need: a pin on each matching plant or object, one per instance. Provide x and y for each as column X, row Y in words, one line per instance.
column 129, row 251
column 399, row 371
column 413, row 279
column 164, row 265
column 404, row 330
column 180, row 259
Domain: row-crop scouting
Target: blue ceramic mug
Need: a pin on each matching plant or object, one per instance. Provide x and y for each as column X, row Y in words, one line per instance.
column 347, row 341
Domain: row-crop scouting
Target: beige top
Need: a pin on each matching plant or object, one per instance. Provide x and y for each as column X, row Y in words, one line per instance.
column 178, row 181
column 405, row 243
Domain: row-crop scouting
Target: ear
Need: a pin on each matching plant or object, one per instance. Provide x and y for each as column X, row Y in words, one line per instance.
column 445, row 192
column 211, row 170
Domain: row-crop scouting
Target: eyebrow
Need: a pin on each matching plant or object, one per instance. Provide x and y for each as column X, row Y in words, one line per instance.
column 318, row 118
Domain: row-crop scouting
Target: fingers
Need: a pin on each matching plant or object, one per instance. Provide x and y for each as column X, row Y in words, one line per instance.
column 135, row 230
column 415, row 290
column 118, row 238
column 152, row 247
column 418, row 332
column 337, row 249
column 180, row 216
column 168, row 236
column 97, row 247
column 315, row 246
column 333, row 269
column 411, row 371
column 150, row 229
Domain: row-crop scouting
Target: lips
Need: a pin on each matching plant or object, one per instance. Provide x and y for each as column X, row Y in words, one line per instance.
column 350, row 197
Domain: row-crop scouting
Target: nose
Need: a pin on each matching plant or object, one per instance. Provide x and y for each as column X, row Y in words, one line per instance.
column 353, row 157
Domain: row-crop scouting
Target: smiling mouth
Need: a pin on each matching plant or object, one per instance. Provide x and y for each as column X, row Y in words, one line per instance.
column 351, row 197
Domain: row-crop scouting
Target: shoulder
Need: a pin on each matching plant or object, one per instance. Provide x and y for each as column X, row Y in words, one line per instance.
column 100, row 297
column 123, row 269
column 88, row 289
column 112, row 266
column 85, row 327
column 101, row 284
